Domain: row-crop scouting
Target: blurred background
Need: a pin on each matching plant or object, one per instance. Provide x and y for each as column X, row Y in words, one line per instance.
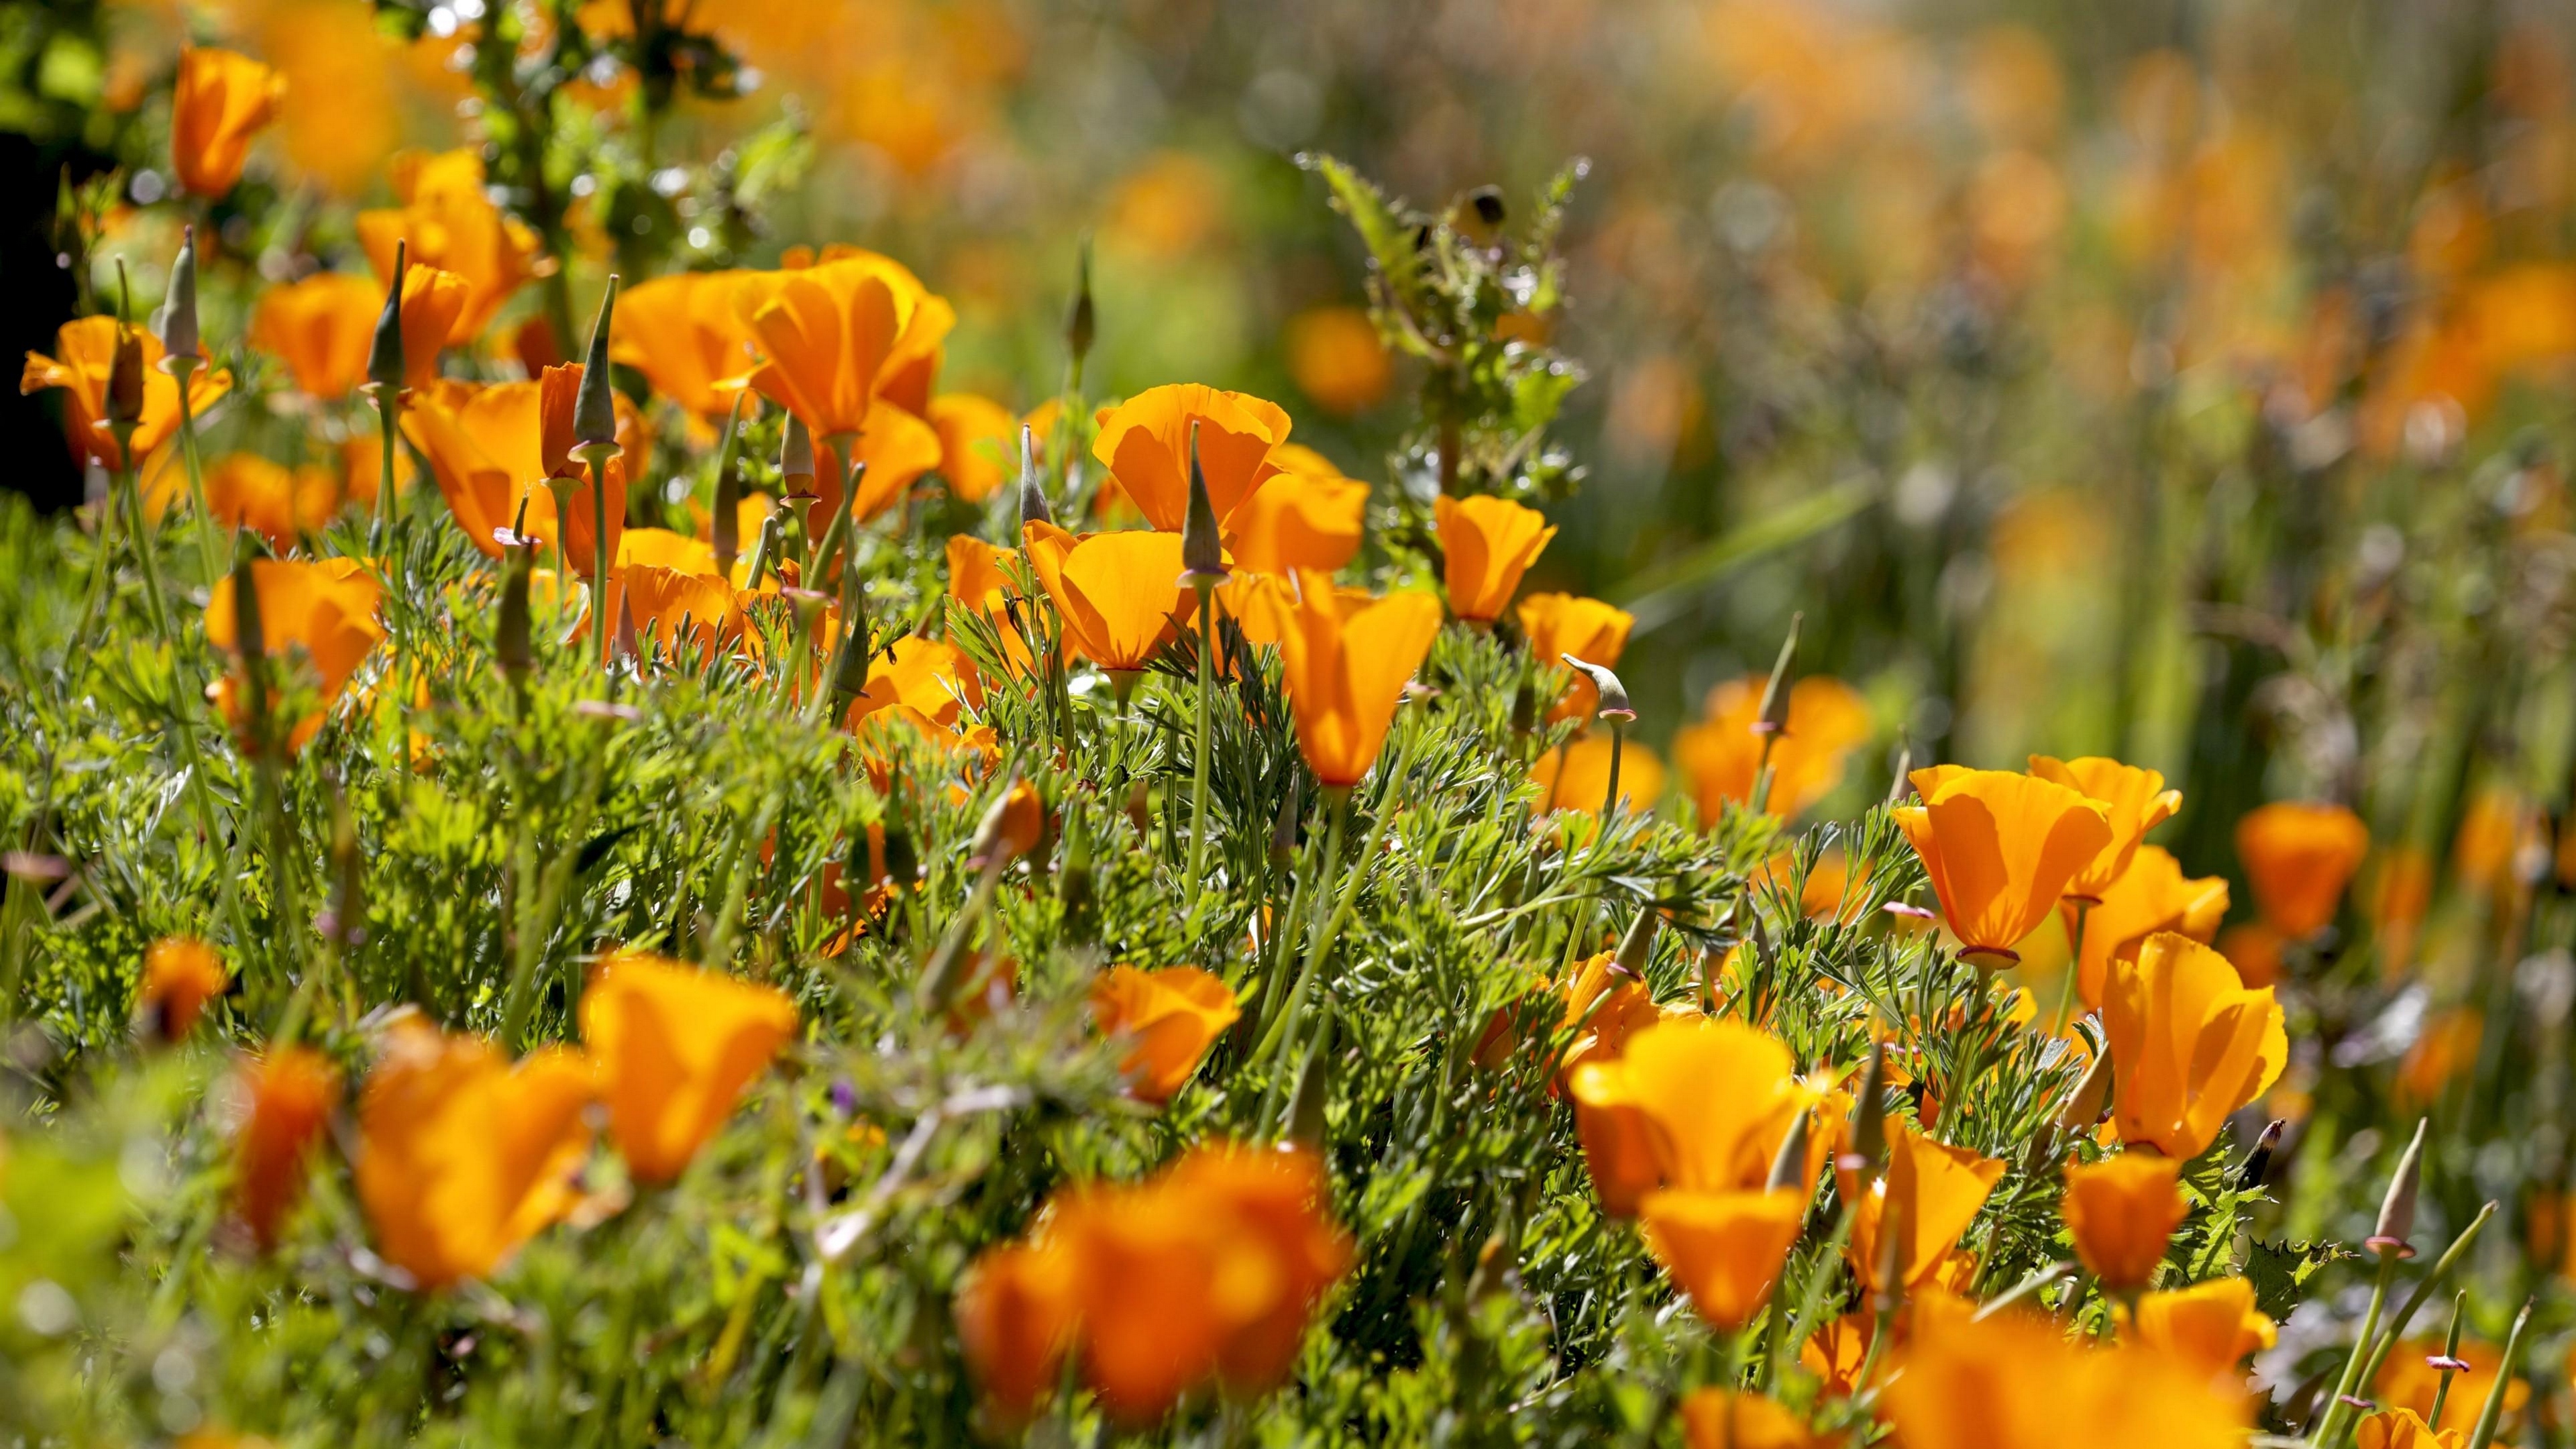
column 2177, row 380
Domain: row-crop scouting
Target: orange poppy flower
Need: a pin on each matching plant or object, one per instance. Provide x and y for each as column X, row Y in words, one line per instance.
column 1723, row 1249
column 682, row 332
column 979, row 442
column 85, row 353
column 463, row 1156
column 1837, row 1352
column 452, row 225
column 1611, row 1006
column 2408, row 1381
column 979, row 579
column 317, row 614
column 1576, row 776
column 2014, row 1381
column 180, row 975
column 661, row 548
column 2298, row 857
column 1490, row 542
column 1298, row 520
column 2121, row 1212
column 322, row 328
column 2190, row 1044
column 2405, row 1429
column 492, row 447
column 1119, row 594
column 2152, row 895
column 1700, row 1104
column 434, row 305
column 930, row 675
column 2134, row 800
column 1015, row 1321
column 1717, row 1419
column 1345, row 664
column 218, row 103
column 2000, row 849
column 1337, row 358
column 291, row 1092
column 1588, row 629
column 1145, row 445
column 2211, row 1326
column 1932, row 1192
column 899, row 450
column 831, row 336
column 675, row 1047
column 1721, row 756
column 245, row 490
column 1174, row 1015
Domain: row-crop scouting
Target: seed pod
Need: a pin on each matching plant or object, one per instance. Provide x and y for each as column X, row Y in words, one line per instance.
column 594, row 409
column 179, row 308
column 1202, row 552
column 1614, row 695
column 125, row 379
column 2397, row 1210
column 385, row 355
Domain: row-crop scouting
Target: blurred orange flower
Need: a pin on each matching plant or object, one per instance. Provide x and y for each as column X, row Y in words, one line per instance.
column 2000, row 849
column 2135, row 801
column 1345, row 664
column 316, row 613
column 2408, row 1380
column 1723, row 1249
column 1145, row 444
column 85, row 353
column 2447, row 1047
column 2298, row 857
column 2014, row 1381
column 2192, row 1044
column 1588, row 629
column 1721, row 757
column 1119, row 594
column 452, row 225
column 683, row 333
column 291, row 1092
column 1015, row 1321
column 1304, row 518
column 463, row 1156
column 1717, row 1419
column 2210, row 1326
column 1698, row 1104
column 1337, row 359
column 218, row 103
column 322, row 327
column 1173, row 1015
column 2152, row 895
column 2121, row 1212
column 1489, row 542
column 979, row 444
column 1576, row 776
column 180, row 975
column 1929, row 1193
column 675, row 1046
column 245, row 490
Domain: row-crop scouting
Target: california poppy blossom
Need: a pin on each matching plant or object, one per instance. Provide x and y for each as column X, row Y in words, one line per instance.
column 2211, row 1326
column 2134, row 802
column 180, row 975
column 1697, row 1104
column 2000, row 849
column 2406, row 1429
column 1717, row 1419
column 85, row 355
column 1145, row 444
column 1723, row 1249
column 1489, row 543
column 449, row 221
column 1576, row 775
column 1298, row 520
column 1015, row 1321
column 931, row 675
column 1721, row 756
column 1173, row 1015
column 675, row 1046
column 463, row 1156
column 2191, row 1044
column 898, row 449
column 245, row 490
column 828, row 336
column 2121, row 1212
column 291, row 1092
column 432, row 309
column 1929, row 1193
column 1338, row 359
column 220, row 101
column 322, row 327
column 980, row 581
column 1345, row 664
column 2298, row 857
column 316, row 614
column 1119, row 594
column 978, row 443
column 1560, row 624
column 683, row 333
column 492, row 448
column 2152, row 895
column 2015, row 1381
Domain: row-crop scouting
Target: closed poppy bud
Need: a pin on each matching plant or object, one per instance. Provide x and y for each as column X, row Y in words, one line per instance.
column 1080, row 323
column 1723, row 1249
column 796, row 458
column 220, row 101
column 675, row 1047
column 2092, row 1092
column 2298, row 857
column 2134, row 801
column 1173, row 1015
column 1033, row 503
column 291, row 1092
column 1489, row 543
column 512, row 627
column 1015, row 1319
column 179, row 305
column 2397, row 1210
column 2121, row 1213
column 2212, row 1326
column 125, row 378
column 1011, row 825
column 1202, row 553
column 594, row 414
column 180, row 975
column 386, row 361
column 2000, row 849
column 1867, row 1151
column 2193, row 1044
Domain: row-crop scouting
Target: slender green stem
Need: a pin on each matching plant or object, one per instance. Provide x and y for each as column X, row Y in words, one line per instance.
column 210, row 548
column 2330, row 1429
column 602, row 561
column 1339, row 805
column 1199, row 764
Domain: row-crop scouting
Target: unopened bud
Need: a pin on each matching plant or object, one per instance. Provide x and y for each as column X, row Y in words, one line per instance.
column 850, row 672
column 385, row 355
column 724, row 527
column 1789, row 1164
column 796, row 458
column 1773, row 717
column 1080, row 326
column 1614, row 695
column 1033, row 503
column 513, row 628
column 2084, row 1108
column 2397, row 1210
column 1283, row 828
column 1903, row 784
column 2258, row 1163
column 1638, row 946
column 125, row 378
column 1869, row 1116
column 179, row 306
column 1202, row 552
column 594, row 408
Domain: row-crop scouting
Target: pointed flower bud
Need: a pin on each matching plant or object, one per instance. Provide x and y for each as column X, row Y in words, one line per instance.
column 1638, row 946
column 1614, row 695
column 1080, row 325
column 1789, row 1164
column 796, row 458
column 179, row 308
column 2397, row 1210
column 2258, row 1163
column 594, row 410
column 125, row 378
column 1033, row 503
column 725, row 525
column 1868, row 1145
column 1202, row 552
column 385, row 355
column 1773, row 718
column 2084, row 1109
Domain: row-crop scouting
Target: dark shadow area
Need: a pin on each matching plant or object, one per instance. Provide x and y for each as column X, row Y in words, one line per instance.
column 36, row 297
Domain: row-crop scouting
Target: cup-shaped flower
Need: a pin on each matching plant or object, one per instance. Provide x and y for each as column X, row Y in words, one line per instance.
column 669, row 606
column 1699, row 1103
column 313, row 613
column 450, row 223
column 1717, row 1419
column 682, row 332
column 84, row 358
column 2211, row 1326
column 2406, row 1429
column 1721, row 756
column 2152, row 895
column 675, row 1047
column 1723, row 1249
column 1928, row 1196
column 2298, row 857
column 2134, row 802
column 1558, row 624
column 1171, row 1017
column 2122, row 1212
column 291, row 1093
column 2000, row 848
column 2014, row 1381
column 321, row 328
column 2189, row 1044
column 1119, row 594
column 432, row 308
column 1489, row 543
column 1145, row 445
column 488, row 450
column 1345, row 662
column 219, row 102
column 463, row 1156
column 828, row 337
column 1308, row 517
column 180, row 975
column 980, row 580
